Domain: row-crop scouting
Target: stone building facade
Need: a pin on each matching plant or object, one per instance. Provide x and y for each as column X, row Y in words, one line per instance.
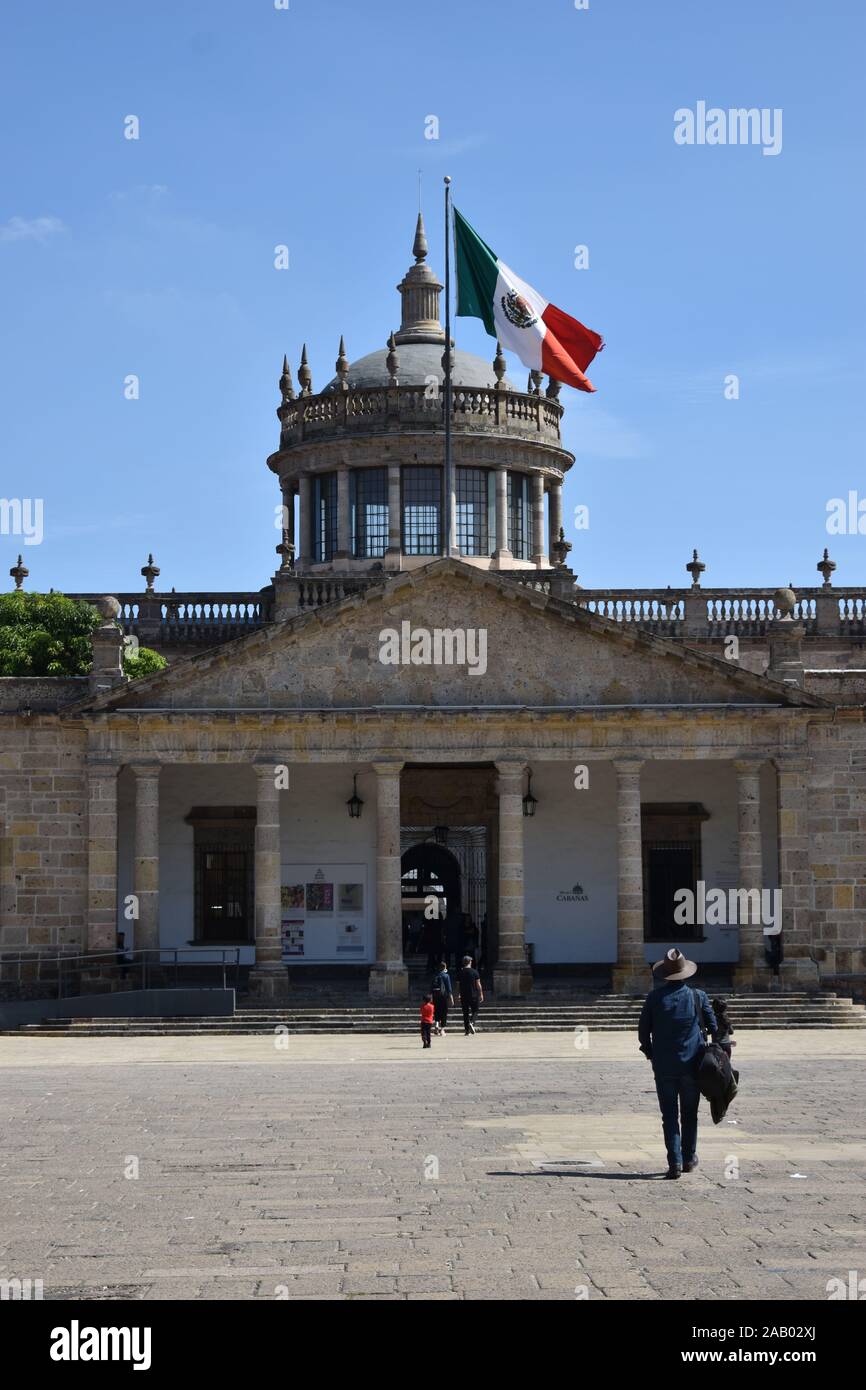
column 394, row 719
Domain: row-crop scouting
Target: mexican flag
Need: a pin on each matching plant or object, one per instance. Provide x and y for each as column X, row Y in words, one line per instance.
column 543, row 337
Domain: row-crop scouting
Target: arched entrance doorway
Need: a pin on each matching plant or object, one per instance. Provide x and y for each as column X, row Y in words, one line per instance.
column 428, row 871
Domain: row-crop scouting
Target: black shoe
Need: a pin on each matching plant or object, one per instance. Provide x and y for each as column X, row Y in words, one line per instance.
column 674, row 1173
column 690, row 1165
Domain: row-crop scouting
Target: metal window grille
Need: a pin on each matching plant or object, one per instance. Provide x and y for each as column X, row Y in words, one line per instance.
column 422, row 511
column 519, row 514
column 473, row 536
column 324, row 518
column 369, row 502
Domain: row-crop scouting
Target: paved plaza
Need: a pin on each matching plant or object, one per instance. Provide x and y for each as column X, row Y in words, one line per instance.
column 498, row 1167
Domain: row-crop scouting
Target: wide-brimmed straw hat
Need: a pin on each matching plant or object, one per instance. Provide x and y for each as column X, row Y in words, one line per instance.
column 673, row 967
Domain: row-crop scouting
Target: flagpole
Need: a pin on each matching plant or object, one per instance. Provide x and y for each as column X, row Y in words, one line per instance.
column 448, row 528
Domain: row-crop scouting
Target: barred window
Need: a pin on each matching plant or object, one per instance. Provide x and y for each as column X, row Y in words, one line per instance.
column 475, row 500
column 519, row 516
column 323, row 490
column 422, row 511
column 369, row 503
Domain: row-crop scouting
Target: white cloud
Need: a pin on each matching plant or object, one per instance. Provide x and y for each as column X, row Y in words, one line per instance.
column 35, row 229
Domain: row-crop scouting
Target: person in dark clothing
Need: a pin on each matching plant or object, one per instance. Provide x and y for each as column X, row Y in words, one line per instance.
column 443, row 997
column 671, row 1035
column 453, row 938
column 471, row 995
column 432, row 941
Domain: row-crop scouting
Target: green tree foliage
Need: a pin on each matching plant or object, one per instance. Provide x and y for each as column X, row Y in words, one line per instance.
column 142, row 661
column 45, row 635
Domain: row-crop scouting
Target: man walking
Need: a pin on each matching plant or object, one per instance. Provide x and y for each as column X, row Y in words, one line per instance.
column 671, row 1034
column 471, row 995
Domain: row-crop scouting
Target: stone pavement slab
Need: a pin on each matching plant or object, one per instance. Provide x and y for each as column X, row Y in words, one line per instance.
column 518, row 1167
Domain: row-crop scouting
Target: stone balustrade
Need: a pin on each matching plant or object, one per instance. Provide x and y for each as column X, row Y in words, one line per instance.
column 716, row 613
column 205, row 619
column 190, row 619
column 497, row 409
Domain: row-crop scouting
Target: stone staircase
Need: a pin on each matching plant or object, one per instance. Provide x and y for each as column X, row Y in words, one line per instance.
column 548, row 1011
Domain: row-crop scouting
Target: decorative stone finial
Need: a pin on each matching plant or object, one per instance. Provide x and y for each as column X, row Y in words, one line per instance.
column 553, row 389
column 499, row 362
column 342, row 365
column 826, row 566
column 560, row 548
column 392, row 361
column 287, row 390
column 19, row 573
column 785, row 600
column 695, row 568
column 108, row 608
column 419, row 245
column 305, row 376
column 419, row 292
column 446, row 356
column 286, row 551
column 150, row 571
column 535, row 379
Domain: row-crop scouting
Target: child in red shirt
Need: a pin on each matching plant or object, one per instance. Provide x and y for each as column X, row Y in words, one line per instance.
column 426, row 1019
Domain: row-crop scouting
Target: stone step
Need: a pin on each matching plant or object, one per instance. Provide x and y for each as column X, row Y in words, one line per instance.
column 373, row 1029
column 538, row 1016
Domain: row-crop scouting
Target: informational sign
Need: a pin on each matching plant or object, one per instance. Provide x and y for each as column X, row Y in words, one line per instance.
column 325, row 913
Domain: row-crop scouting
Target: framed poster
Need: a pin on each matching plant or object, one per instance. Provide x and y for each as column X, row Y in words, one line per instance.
column 291, row 939
column 292, row 896
column 350, row 897
column 320, row 897
column 350, row 939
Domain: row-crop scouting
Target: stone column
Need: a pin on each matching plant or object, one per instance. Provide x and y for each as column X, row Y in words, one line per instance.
column 537, row 493
column 102, row 856
column 501, row 551
column 751, row 970
column 304, row 549
column 395, row 529
column 554, row 506
column 631, row 975
column 511, row 974
column 145, row 883
column 389, row 975
column 344, row 520
column 269, row 977
column 795, row 877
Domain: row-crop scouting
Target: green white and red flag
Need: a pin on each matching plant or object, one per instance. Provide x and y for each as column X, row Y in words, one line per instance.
column 544, row 338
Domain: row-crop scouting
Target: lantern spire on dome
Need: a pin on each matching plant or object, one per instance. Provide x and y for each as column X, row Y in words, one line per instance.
column 419, row 246
column 419, row 291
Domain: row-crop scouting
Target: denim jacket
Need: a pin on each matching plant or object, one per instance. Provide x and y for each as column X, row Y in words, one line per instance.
column 669, row 1031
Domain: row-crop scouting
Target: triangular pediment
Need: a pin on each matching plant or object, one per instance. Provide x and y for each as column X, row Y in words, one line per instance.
column 449, row 635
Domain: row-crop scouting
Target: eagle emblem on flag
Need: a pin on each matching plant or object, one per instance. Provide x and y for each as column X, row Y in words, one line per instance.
column 517, row 311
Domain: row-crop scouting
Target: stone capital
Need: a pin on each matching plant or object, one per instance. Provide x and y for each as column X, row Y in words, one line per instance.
column 628, row 767
column 511, row 767
column 388, row 769
column 144, row 770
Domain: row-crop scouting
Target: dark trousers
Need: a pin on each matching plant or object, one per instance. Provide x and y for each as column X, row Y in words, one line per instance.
column 440, row 1009
column 470, row 1011
column 425, row 1034
column 679, row 1098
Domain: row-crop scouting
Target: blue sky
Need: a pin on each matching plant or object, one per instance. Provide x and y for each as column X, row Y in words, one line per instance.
column 306, row 127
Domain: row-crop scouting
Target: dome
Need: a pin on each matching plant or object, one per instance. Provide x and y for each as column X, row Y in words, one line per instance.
column 417, row 363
